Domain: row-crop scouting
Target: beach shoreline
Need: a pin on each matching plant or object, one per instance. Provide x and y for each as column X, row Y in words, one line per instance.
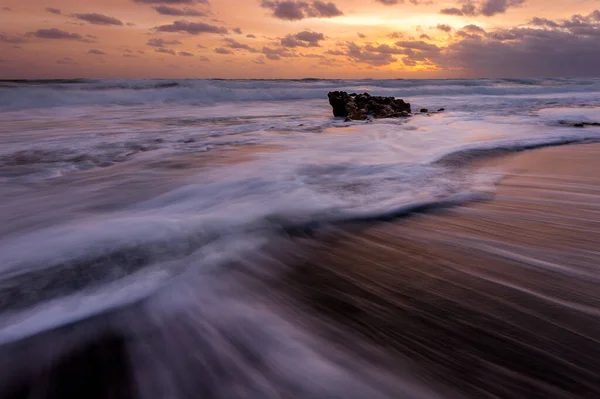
column 490, row 299
column 496, row 298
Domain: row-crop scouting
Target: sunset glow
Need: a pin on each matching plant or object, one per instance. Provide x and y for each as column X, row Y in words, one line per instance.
column 294, row 39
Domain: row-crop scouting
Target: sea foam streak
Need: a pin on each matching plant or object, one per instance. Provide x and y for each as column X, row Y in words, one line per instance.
column 116, row 192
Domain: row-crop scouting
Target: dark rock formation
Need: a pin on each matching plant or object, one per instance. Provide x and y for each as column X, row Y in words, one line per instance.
column 441, row 109
column 362, row 106
column 578, row 124
column 424, row 110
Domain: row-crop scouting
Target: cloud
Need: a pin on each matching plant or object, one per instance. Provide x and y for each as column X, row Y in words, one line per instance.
column 53, row 10
column 66, row 61
column 552, row 48
column 251, row 36
column 96, row 52
column 165, row 51
column 368, row 55
column 157, row 42
column 303, row 39
column 260, row 60
column 185, row 54
column 444, row 28
column 417, row 45
column 424, row 37
column 98, row 19
column 493, row 7
column 192, row 28
column 473, row 29
column 8, row 9
column 276, row 54
column 222, row 50
column 180, row 12
column 169, row 1
column 234, row 44
column 393, row 2
column 486, row 8
column 452, row 11
column 326, row 10
column 58, row 34
column 362, row 36
column 237, row 30
column 292, row 10
column 12, row 39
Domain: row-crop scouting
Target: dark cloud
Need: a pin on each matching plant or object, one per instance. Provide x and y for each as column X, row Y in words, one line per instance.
column 53, row 10
column 326, row 10
column 383, row 48
column 417, row 45
column 179, row 12
column 8, row 9
column 12, row 39
column 362, row 36
column 487, row 8
column 276, row 54
column 222, row 50
column 237, row 30
column 396, row 35
column 96, row 52
column 98, row 19
column 185, row 54
column 260, row 60
column 473, row 29
column 493, row 7
column 451, row 11
column 192, row 28
column 424, row 37
column 234, row 44
column 303, row 39
column 292, row 10
column 444, row 28
column 544, row 22
column 157, row 42
column 369, row 54
column 165, row 51
column 54, row 33
column 569, row 47
column 251, row 36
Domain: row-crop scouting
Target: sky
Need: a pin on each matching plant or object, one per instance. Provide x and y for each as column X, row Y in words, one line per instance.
column 299, row 39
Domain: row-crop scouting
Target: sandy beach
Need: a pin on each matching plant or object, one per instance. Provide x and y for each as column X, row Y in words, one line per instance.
column 498, row 299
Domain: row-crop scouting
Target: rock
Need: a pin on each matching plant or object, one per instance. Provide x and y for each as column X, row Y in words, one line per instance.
column 441, row 109
column 361, row 106
column 424, row 110
column 578, row 125
column 190, row 140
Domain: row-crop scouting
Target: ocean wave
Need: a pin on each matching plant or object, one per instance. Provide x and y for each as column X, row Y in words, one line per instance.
column 37, row 94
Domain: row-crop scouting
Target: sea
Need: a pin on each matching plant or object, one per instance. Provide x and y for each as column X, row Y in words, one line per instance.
column 162, row 196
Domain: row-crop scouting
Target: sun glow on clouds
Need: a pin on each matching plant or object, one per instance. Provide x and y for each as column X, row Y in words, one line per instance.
column 242, row 39
column 396, row 22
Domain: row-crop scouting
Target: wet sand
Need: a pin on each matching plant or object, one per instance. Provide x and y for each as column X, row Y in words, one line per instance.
column 499, row 299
